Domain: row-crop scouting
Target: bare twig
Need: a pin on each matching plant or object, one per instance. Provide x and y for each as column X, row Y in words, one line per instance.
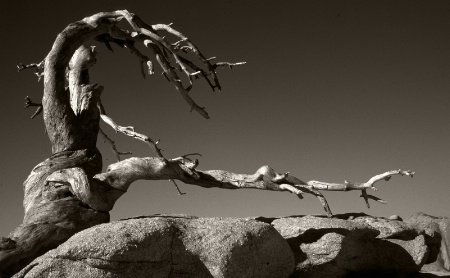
column 227, row 64
column 165, row 53
column 387, row 176
column 29, row 103
column 367, row 197
column 346, row 186
column 129, row 131
column 176, row 186
column 164, row 50
column 38, row 66
column 113, row 145
column 124, row 39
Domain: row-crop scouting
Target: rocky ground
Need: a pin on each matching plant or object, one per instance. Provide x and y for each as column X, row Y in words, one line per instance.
column 347, row 245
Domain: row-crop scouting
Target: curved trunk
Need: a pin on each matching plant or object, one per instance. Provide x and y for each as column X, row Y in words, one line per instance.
column 53, row 213
column 66, row 129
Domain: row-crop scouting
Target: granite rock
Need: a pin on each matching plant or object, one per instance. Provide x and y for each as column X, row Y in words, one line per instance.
column 437, row 235
column 169, row 246
column 338, row 247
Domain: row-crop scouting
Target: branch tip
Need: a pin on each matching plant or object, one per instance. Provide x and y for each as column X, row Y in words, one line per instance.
column 178, row 189
column 29, row 103
column 113, row 145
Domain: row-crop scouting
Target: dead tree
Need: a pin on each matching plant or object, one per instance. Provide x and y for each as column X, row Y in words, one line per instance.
column 67, row 192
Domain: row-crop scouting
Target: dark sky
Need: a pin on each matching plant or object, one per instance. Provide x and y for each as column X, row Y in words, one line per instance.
column 332, row 91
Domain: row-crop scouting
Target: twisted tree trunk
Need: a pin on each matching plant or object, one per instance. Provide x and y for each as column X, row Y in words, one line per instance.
column 67, row 192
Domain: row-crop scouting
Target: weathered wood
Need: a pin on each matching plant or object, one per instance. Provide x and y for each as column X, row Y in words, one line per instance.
column 53, row 213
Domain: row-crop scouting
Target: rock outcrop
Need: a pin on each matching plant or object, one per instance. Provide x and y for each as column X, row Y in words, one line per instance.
column 169, row 246
column 348, row 245
column 437, row 234
column 363, row 244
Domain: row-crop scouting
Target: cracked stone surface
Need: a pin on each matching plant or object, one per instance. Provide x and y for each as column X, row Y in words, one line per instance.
column 347, row 245
column 169, row 246
column 350, row 245
column 437, row 236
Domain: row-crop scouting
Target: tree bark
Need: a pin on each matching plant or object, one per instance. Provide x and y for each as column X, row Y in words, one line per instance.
column 53, row 211
column 67, row 192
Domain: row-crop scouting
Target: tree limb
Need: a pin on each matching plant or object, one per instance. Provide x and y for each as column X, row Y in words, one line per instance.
column 29, row 103
column 129, row 131
column 102, row 26
column 162, row 49
column 120, row 175
column 113, row 145
column 346, row 186
column 39, row 68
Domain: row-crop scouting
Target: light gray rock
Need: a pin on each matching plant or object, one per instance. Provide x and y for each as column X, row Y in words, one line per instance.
column 437, row 236
column 169, row 246
column 348, row 245
column 395, row 217
column 334, row 247
column 389, row 228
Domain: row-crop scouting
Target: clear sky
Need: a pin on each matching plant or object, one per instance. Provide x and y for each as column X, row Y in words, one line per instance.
column 332, row 91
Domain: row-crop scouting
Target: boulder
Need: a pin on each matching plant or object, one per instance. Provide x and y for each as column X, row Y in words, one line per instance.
column 338, row 247
column 437, row 234
column 347, row 245
column 169, row 246
column 395, row 217
column 389, row 229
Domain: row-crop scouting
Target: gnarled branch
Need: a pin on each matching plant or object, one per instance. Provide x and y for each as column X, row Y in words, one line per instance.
column 120, row 175
column 102, row 26
column 129, row 131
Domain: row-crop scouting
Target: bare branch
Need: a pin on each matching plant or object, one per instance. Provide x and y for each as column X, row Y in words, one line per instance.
column 39, row 68
column 185, row 170
column 124, row 39
column 367, row 197
column 29, row 103
column 346, row 186
column 265, row 178
column 161, row 49
column 164, row 50
column 227, row 64
column 129, row 131
column 387, row 176
column 113, row 145
column 190, row 154
column 192, row 48
column 176, row 186
column 143, row 60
